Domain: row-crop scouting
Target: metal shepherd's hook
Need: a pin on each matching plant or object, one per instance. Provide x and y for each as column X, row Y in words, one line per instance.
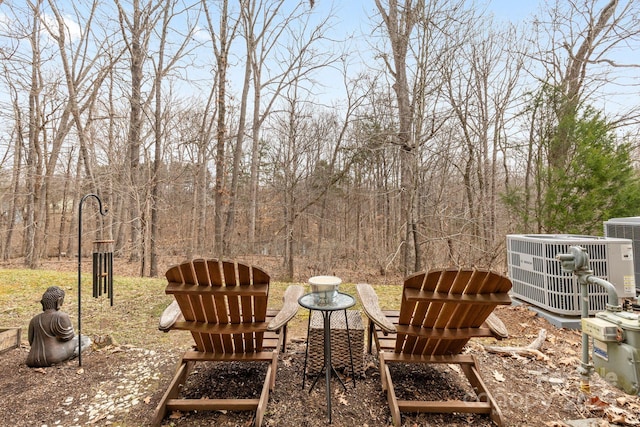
column 103, row 213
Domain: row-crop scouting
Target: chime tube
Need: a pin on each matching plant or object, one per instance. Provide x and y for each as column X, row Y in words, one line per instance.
column 110, row 276
column 103, row 270
column 96, row 279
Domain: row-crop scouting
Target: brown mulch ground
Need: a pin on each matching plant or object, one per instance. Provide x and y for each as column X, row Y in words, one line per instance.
column 121, row 386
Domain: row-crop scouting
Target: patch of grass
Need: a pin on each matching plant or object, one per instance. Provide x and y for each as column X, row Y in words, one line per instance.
column 133, row 319
column 138, row 304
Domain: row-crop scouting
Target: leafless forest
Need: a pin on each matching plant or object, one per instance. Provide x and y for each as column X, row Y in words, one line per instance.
column 417, row 136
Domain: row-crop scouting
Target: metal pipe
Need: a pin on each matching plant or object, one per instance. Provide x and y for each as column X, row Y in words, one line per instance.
column 578, row 262
column 585, row 367
column 586, row 277
column 613, row 303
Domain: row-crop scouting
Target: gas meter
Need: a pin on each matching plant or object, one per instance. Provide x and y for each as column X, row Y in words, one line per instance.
column 616, row 347
column 615, row 332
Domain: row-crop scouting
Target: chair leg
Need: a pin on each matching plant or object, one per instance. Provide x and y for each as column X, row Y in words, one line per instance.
column 271, row 373
column 472, row 372
column 172, row 392
column 383, row 372
column 264, row 395
column 387, row 387
column 179, row 378
column 284, row 338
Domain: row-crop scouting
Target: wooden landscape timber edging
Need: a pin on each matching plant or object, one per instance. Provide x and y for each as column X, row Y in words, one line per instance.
column 9, row 338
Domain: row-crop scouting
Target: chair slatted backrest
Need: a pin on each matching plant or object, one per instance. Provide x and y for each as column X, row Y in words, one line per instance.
column 442, row 309
column 224, row 304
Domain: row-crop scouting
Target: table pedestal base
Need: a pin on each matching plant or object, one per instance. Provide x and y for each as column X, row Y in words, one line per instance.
column 328, row 368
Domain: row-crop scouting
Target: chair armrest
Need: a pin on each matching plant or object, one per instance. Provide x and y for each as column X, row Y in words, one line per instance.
column 497, row 326
column 169, row 316
column 289, row 307
column 371, row 307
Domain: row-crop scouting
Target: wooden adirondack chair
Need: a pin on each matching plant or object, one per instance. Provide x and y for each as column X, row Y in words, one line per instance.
column 439, row 312
column 224, row 306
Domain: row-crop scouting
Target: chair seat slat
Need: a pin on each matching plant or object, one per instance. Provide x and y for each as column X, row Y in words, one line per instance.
column 415, row 295
column 176, row 288
column 444, row 333
column 221, row 328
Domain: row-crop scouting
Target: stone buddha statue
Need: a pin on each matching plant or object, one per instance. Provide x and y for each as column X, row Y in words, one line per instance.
column 51, row 333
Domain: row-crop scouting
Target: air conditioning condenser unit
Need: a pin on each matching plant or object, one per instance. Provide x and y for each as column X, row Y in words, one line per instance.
column 538, row 278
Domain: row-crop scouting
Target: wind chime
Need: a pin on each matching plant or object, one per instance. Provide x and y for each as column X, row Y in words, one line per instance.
column 102, row 268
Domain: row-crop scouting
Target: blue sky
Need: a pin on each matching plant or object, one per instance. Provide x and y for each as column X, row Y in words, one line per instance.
column 352, row 13
column 512, row 10
column 353, row 17
column 358, row 16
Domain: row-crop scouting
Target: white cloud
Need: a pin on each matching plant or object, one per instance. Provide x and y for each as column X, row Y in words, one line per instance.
column 72, row 29
column 4, row 22
column 200, row 34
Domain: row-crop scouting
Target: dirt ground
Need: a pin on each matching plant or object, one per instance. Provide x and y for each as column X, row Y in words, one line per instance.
column 121, row 386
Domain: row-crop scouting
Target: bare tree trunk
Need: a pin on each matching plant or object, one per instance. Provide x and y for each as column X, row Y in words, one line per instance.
column 77, row 184
column 34, row 151
column 136, row 50
column 157, row 157
column 161, row 69
column 289, row 219
column 248, row 21
column 399, row 22
column 15, row 182
column 264, row 27
column 229, row 229
column 64, row 212
column 72, row 79
column 221, row 52
column 221, row 132
column 136, row 33
column 290, row 165
column 572, row 84
column 204, row 135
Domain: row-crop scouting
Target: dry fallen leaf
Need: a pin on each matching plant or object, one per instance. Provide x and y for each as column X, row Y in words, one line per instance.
column 618, row 419
column 455, row 368
column 595, row 404
column 595, row 400
column 568, row 361
column 621, row 400
column 634, row 407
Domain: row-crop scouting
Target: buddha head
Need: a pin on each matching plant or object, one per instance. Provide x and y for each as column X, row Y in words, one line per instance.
column 52, row 298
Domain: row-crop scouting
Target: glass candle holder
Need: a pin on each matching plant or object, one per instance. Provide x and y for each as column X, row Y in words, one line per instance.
column 324, row 289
